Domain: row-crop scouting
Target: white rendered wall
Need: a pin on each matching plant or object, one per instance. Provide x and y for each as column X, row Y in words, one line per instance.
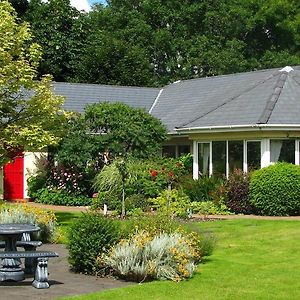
column 31, row 164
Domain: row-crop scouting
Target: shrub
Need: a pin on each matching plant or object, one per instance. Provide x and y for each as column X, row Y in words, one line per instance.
column 209, row 208
column 164, row 256
column 89, row 236
column 61, row 197
column 146, row 179
column 275, row 190
column 237, row 193
column 200, row 189
column 24, row 213
column 173, row 202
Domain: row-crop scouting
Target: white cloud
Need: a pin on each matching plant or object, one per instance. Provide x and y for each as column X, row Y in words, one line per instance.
column 81, row 4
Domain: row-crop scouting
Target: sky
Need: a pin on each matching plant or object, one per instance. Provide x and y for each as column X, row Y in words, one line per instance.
column 85, row 4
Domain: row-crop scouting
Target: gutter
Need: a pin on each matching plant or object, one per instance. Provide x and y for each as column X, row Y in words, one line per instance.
column 238, row 128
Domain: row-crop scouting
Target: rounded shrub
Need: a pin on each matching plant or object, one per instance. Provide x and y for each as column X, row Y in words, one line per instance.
column 89, row 237
column 275, row 190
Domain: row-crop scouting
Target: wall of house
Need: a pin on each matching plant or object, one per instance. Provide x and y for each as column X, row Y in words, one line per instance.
column 33, row 161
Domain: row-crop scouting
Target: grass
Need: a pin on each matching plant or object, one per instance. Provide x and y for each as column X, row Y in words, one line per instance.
column 64, row 220
column 253, row 259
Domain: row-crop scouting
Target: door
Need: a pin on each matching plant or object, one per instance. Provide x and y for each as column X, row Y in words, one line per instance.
column 14, row 178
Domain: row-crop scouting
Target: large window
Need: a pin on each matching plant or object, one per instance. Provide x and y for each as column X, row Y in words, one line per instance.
column 235, row 155
column 282, row 150
column 184, row 149
column 253, row 155
column 203, row 158
column 169, row 151
column 219, row 158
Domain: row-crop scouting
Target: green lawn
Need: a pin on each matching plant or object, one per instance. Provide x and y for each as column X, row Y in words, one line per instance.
column 64, row 220
column 253, row 259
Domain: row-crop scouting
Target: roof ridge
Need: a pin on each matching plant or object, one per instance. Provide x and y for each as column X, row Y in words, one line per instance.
column 105, row 85
column 267, row 112
column 231, row 99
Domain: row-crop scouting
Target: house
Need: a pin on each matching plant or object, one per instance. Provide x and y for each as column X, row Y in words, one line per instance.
column 247, row 120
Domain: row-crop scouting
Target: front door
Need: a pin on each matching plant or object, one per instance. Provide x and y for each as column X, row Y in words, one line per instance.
column 14, row 178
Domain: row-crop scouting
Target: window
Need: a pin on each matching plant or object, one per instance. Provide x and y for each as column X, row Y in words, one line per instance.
column 169, row 151
column 184, row 149
column 282, row 150
column 204, row 158
column 235, row 155
column 219, row 158
column 253, row 155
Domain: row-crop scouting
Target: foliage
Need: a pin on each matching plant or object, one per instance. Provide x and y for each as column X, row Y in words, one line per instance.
column 208, row 208
column 61, row 30
column 31, row 114
column 23, row 213
column 237, row 193
column 146, row 179
column 166, row 256
column 202, row 188
column 173, row 202
column 60, row 197
column 275, row 190
column 124, row 130
column 90, row 235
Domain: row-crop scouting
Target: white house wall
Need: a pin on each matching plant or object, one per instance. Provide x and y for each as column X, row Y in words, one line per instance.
column 31, row 165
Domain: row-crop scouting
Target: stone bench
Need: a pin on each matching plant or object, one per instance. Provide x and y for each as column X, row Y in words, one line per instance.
column 30, row 263
column 41, row 270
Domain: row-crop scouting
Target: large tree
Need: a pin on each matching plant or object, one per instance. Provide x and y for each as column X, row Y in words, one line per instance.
column 30, row 114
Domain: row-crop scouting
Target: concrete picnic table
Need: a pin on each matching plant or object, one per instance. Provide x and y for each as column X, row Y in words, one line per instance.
column 11, row 233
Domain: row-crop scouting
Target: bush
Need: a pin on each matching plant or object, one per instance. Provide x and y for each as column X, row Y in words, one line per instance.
column 237, row 193
column 90, row 236
column 275, row 190
column 209, row 208
column 61, row 197
column 172, row 202
column 200, row 189
column 146, row 179
column 143, row 257
column 26, row 214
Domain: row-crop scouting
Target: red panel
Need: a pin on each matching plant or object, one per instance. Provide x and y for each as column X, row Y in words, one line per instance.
column 14, row 178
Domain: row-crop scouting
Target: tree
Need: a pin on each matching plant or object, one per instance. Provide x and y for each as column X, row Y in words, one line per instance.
column 30, row 114
column 61, row 31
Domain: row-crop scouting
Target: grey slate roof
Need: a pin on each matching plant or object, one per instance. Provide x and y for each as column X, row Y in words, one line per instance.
column 260, row 97
column 267, row 96
column 78, row 95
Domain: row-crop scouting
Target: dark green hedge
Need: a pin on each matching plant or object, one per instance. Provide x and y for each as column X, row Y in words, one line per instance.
column 275, row 190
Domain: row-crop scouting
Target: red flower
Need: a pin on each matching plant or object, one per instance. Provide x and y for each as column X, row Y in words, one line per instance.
column 171, row 174
column 153, row 173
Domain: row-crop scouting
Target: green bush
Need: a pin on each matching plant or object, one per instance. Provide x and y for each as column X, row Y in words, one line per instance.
column 275, row 190
column 89, row 237
column 209, row 208
column 173, row 202
column 200, row 189
column 61, row 197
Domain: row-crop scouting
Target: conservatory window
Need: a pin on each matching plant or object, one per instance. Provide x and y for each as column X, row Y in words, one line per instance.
column 169, row 151
column 235, row 155
column 219, row 158
column 282, row 150
column 184, row 149
column 253, row 155
column 203, row 158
